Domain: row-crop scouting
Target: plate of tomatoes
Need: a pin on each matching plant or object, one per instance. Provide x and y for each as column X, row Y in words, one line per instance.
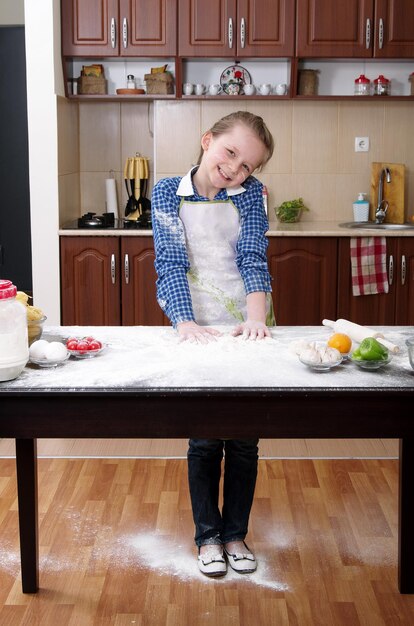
column 84, row 347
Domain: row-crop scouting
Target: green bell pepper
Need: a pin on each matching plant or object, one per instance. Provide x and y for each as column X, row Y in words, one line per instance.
column 370, row 350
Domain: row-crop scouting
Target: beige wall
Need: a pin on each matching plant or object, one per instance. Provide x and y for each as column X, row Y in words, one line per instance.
column 314, row 156
column 12, row 12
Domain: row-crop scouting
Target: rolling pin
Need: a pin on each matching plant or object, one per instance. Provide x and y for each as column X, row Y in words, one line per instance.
column 357, row 332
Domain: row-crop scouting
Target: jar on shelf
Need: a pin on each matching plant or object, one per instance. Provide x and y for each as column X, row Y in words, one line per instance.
column 130, row 81
column 14, row 348
column 362, row 86
column 411, row 79
column 308, row 82
column 382, row 86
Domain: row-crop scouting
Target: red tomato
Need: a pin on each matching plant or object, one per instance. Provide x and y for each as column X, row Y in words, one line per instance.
column 94, row 345
column 72, row 344
column 89, row 339
column 82, row 346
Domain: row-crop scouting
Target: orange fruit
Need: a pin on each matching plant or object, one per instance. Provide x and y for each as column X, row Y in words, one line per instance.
column 341, row 342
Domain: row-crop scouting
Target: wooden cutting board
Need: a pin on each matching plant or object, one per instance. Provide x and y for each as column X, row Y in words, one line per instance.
column 393, row 191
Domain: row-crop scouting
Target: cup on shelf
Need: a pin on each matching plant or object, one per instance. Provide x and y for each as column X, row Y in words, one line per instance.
column 200, row 89
column 188, row 89
column 265, row 89
column 233, row 89
column 281, row 89
column 214, row 90
column 249, row 89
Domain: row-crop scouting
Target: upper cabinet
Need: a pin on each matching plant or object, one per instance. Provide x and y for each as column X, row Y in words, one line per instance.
column 236, row 28
column 108, row 28
column 356, row 28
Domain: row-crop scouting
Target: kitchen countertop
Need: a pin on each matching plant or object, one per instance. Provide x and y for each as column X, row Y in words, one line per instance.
column 153, row 357
column 276, row 229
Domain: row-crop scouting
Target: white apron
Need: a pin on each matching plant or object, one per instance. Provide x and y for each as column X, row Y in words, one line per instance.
column 217, row 290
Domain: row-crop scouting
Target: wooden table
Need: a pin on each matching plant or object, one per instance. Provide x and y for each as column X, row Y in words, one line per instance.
column 351, row 404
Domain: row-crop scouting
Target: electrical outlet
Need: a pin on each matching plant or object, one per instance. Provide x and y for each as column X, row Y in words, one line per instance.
column 361, row 144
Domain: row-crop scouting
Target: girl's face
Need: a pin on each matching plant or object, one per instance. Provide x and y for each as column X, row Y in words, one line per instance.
column 230, row 158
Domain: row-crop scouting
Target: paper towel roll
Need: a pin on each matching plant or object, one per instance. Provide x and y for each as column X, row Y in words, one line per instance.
column 111, row 197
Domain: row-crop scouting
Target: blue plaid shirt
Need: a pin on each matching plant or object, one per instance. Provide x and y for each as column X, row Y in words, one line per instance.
column 171, row 259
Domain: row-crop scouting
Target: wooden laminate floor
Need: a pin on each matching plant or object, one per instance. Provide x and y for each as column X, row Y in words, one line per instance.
column 116, row 547
column 177, row 448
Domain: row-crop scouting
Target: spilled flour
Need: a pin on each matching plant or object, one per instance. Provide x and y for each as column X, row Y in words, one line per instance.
column 151, row 357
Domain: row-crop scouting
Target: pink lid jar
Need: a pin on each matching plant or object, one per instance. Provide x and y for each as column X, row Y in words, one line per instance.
column 382, row 86
column 362, row 86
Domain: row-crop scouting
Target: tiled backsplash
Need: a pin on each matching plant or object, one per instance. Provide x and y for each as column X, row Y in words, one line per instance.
column 314, row 148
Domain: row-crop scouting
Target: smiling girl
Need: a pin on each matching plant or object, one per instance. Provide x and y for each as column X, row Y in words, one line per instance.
column 210, row 246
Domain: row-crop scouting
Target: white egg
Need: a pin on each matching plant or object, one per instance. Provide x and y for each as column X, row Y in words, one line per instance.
column 55, row 351
column 37, row 349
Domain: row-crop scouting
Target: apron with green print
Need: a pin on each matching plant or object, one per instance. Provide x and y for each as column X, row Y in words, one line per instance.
column 212, row 229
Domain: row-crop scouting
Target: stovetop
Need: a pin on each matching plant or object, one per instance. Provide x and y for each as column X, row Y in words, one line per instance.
column 91, row 221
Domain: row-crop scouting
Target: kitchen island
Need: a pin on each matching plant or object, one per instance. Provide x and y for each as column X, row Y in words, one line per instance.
column 146, row 384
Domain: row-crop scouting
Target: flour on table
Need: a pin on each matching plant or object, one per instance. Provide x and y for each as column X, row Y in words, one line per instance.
column 154, row 357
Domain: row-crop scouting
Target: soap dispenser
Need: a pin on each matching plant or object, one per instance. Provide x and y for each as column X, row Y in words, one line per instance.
column 361, row 208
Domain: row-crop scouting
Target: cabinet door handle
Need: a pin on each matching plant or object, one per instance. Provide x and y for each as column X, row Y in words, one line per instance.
column 368, row 33
column 242, row 32
column 403, row 269
column 113, row 32
column 230, row 32
column 126, row 269
column 113, row 269
column 381, row 33
column 391, row 270
column 125, row 32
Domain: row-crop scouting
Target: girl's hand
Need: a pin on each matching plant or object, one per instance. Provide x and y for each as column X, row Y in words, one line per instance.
column 190, row 331
column 252, row 329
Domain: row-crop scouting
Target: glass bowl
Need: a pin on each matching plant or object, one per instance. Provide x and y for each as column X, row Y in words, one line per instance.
column 35, row 329
column 48, row 362
column 293, row 216
column 320, row 367
column 372, row 365
column 86, row 354
column 410, row 346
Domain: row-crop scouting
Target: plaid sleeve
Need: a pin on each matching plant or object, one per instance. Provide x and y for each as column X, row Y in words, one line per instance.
column 171, row 259
column 252, row 245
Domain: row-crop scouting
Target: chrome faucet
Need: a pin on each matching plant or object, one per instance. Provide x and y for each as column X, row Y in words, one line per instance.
column 382, row 206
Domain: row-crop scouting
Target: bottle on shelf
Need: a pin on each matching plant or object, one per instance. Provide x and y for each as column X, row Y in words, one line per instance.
column 130, row 81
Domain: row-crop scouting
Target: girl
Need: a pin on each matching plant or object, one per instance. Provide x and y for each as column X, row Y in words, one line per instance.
column 210, row 245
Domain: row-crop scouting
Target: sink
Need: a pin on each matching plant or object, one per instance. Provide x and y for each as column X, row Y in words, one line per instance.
column 374, row 226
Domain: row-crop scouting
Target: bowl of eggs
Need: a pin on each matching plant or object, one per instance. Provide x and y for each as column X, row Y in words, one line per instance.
column 48, row 353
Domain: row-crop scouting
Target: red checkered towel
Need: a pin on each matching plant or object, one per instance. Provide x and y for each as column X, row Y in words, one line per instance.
column 369, row 265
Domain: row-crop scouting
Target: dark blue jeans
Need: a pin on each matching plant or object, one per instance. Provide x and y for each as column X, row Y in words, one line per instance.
column 204, row 471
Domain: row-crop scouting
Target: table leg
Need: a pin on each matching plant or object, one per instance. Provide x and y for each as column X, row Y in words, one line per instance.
column 26, row 468
column 406, row 518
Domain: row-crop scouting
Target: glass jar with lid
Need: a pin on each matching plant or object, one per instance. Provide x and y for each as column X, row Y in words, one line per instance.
column 14, row 348
column 362, row 86
column 382, row 86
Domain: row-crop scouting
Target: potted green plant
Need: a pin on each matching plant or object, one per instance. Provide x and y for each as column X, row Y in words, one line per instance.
column 290, row 210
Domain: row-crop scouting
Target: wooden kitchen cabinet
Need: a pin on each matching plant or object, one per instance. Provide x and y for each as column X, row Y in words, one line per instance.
column 395, row 307
column 109, row 281
column 108, row 28
column 356, row 28
column 236, row 28
column 304, row 273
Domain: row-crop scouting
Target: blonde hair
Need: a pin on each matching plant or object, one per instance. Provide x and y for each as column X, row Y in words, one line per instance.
column 254, row 122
